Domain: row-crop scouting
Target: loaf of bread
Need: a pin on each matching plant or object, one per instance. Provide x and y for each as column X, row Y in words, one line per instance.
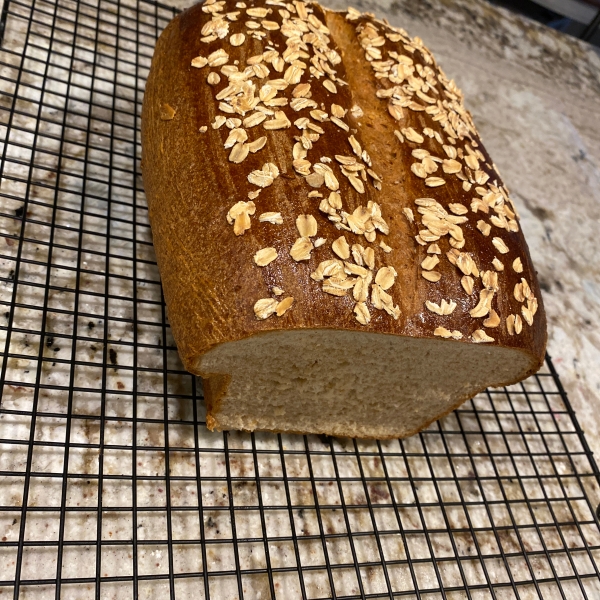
column 338, row 252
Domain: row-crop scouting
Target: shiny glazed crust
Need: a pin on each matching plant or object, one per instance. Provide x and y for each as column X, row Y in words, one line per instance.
column 194, row 186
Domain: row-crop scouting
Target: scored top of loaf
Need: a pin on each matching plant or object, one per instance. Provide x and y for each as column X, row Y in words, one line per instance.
column 333, row 161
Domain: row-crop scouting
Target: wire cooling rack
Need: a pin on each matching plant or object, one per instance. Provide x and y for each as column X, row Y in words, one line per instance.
column 111, row 487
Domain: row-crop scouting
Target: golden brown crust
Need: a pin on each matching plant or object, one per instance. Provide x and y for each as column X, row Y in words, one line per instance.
column 210, row 280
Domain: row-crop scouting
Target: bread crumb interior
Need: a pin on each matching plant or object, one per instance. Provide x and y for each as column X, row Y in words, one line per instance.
column 348, row 383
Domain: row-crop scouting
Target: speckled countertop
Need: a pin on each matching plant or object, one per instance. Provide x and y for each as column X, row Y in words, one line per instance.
column 535, row 96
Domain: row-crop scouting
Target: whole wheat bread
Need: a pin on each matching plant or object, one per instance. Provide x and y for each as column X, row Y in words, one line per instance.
column 337, row 250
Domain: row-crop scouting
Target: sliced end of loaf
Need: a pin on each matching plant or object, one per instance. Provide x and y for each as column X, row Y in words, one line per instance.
column 350, row 384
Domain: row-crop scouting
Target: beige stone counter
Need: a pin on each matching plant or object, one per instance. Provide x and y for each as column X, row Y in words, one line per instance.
column 498, row 478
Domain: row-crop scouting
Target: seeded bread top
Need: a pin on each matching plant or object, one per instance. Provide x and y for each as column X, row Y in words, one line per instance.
column 306, row 168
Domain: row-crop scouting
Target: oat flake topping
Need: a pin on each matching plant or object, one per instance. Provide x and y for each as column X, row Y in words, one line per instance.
column 272, row 91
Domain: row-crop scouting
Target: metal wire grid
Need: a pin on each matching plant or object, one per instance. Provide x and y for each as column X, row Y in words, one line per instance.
column 110, row 484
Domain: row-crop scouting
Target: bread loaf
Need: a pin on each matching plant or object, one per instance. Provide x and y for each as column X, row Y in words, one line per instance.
column 338, row 252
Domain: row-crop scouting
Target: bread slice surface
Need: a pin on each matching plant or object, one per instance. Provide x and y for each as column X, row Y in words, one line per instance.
column 350, row 384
